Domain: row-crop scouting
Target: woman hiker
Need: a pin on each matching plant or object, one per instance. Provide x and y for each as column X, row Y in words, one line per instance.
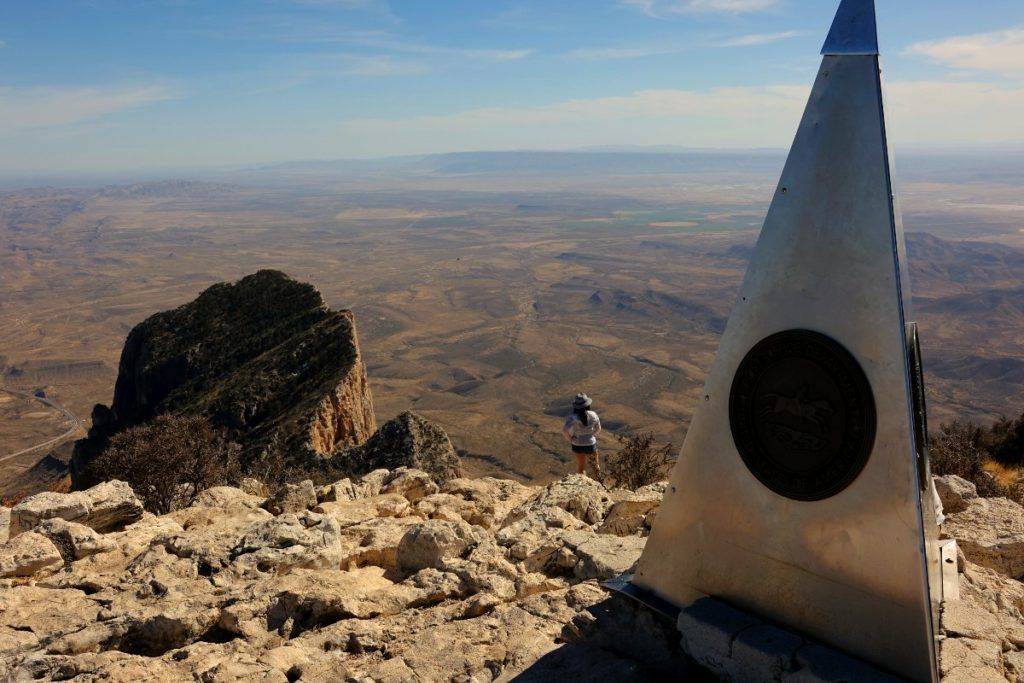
column 581, row 428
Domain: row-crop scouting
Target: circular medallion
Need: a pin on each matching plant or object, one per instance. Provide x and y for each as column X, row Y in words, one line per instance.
column 802, row 414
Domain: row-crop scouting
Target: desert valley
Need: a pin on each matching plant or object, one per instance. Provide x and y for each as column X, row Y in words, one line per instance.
column 487, row 288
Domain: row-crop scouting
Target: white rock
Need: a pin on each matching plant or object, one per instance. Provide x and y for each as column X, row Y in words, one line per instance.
column 990, row 531
column 28, row 553
column 292, row 498
column 954, row 492
column 73, row 540
column 290, row 541
column 429, row 544
column 411, row 483
column 105, row 507
column 605, row 557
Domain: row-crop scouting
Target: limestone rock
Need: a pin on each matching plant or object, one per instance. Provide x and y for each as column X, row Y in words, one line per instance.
column 364, row 588
column 228, row 497
column 292, row 498
column 969, row 658
column 254, row 487
column 290, row 542
column 578, row 495
column 74, row 541
column 628, row 515
column 990, row 531
column 411, row 483
column 28, row 553
column 605, row 557
column 105, row 507
column 493, row 499
column 954, row 492
column 5, row 523
column 427, row 545
column 374, row 542
column 409, row 440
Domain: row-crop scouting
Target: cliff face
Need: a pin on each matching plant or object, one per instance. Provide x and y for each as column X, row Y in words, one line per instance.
column 262, row 357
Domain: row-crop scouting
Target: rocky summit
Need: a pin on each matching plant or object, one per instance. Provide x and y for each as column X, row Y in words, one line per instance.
column 393, row 576
column 263, row 358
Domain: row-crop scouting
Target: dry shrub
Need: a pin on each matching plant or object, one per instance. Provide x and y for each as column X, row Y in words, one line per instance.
column 981, row 456
column 168, row 461
column 959, row 448
column 639, row 462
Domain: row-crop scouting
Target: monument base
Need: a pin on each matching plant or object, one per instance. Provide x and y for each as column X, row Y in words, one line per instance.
column 735, row 645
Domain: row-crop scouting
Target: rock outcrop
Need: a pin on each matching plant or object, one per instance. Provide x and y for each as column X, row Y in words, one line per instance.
column 393, row 576
column 262, row 357
column 406, row 441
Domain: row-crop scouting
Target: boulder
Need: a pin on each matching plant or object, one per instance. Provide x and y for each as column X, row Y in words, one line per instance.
column 428, row 544
column 374, row 542
column 409, row 440
column 28, row 553
column 290, row 541
column 628, row 515
column 990, row 531
column 605, row 557
column 954, row 492
column 577, row 494
column 74, row 541
column 105, row 507
column 410, row 483
column 292, row 498
column 254, row 487
column 226, row 498
column 349, row 512
column 344, row 489
column 493, row 498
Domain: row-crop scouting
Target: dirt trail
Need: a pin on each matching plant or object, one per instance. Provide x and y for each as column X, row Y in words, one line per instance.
column 76, row 423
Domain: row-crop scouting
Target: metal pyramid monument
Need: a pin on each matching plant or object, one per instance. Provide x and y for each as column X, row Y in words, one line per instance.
column 802, row 491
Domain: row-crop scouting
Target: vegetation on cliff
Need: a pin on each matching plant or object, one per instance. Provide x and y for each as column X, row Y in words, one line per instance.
column 989, row 457
column 262, row 358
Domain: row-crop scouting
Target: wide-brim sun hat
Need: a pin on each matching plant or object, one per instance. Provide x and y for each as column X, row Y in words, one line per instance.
column 582, row 401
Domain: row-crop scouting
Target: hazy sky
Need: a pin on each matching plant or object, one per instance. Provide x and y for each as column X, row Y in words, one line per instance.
column 114, row 84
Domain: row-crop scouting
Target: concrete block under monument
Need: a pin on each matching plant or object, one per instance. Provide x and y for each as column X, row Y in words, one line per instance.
column 802, row 493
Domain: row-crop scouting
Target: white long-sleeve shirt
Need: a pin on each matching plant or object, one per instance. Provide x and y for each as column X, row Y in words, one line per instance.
column 583, row 434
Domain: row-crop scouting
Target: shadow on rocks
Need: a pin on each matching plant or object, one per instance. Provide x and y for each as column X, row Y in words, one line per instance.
column 616, row 640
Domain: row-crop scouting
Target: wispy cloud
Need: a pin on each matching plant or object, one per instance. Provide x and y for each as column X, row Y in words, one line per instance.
column 923, row 113
column 603, row 53
column 23, row 107
column 998, row 51
column 659, row 8
column 758, row 39
column 292, row 30
column 378, row 65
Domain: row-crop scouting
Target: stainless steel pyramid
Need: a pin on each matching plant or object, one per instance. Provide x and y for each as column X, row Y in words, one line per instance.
column 798, row 492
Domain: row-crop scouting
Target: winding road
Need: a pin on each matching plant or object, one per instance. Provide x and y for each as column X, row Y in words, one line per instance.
column 76, row 423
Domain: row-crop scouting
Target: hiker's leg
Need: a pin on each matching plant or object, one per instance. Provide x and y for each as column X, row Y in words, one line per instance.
column 595, row 460
column 581, row 463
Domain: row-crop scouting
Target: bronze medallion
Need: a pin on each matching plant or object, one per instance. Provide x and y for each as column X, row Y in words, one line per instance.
column 802, row 415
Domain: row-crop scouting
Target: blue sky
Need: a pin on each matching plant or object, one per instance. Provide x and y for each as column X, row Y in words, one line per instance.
column 122, row 84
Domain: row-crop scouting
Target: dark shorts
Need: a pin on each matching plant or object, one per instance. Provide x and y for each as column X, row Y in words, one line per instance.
column 589, row 450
